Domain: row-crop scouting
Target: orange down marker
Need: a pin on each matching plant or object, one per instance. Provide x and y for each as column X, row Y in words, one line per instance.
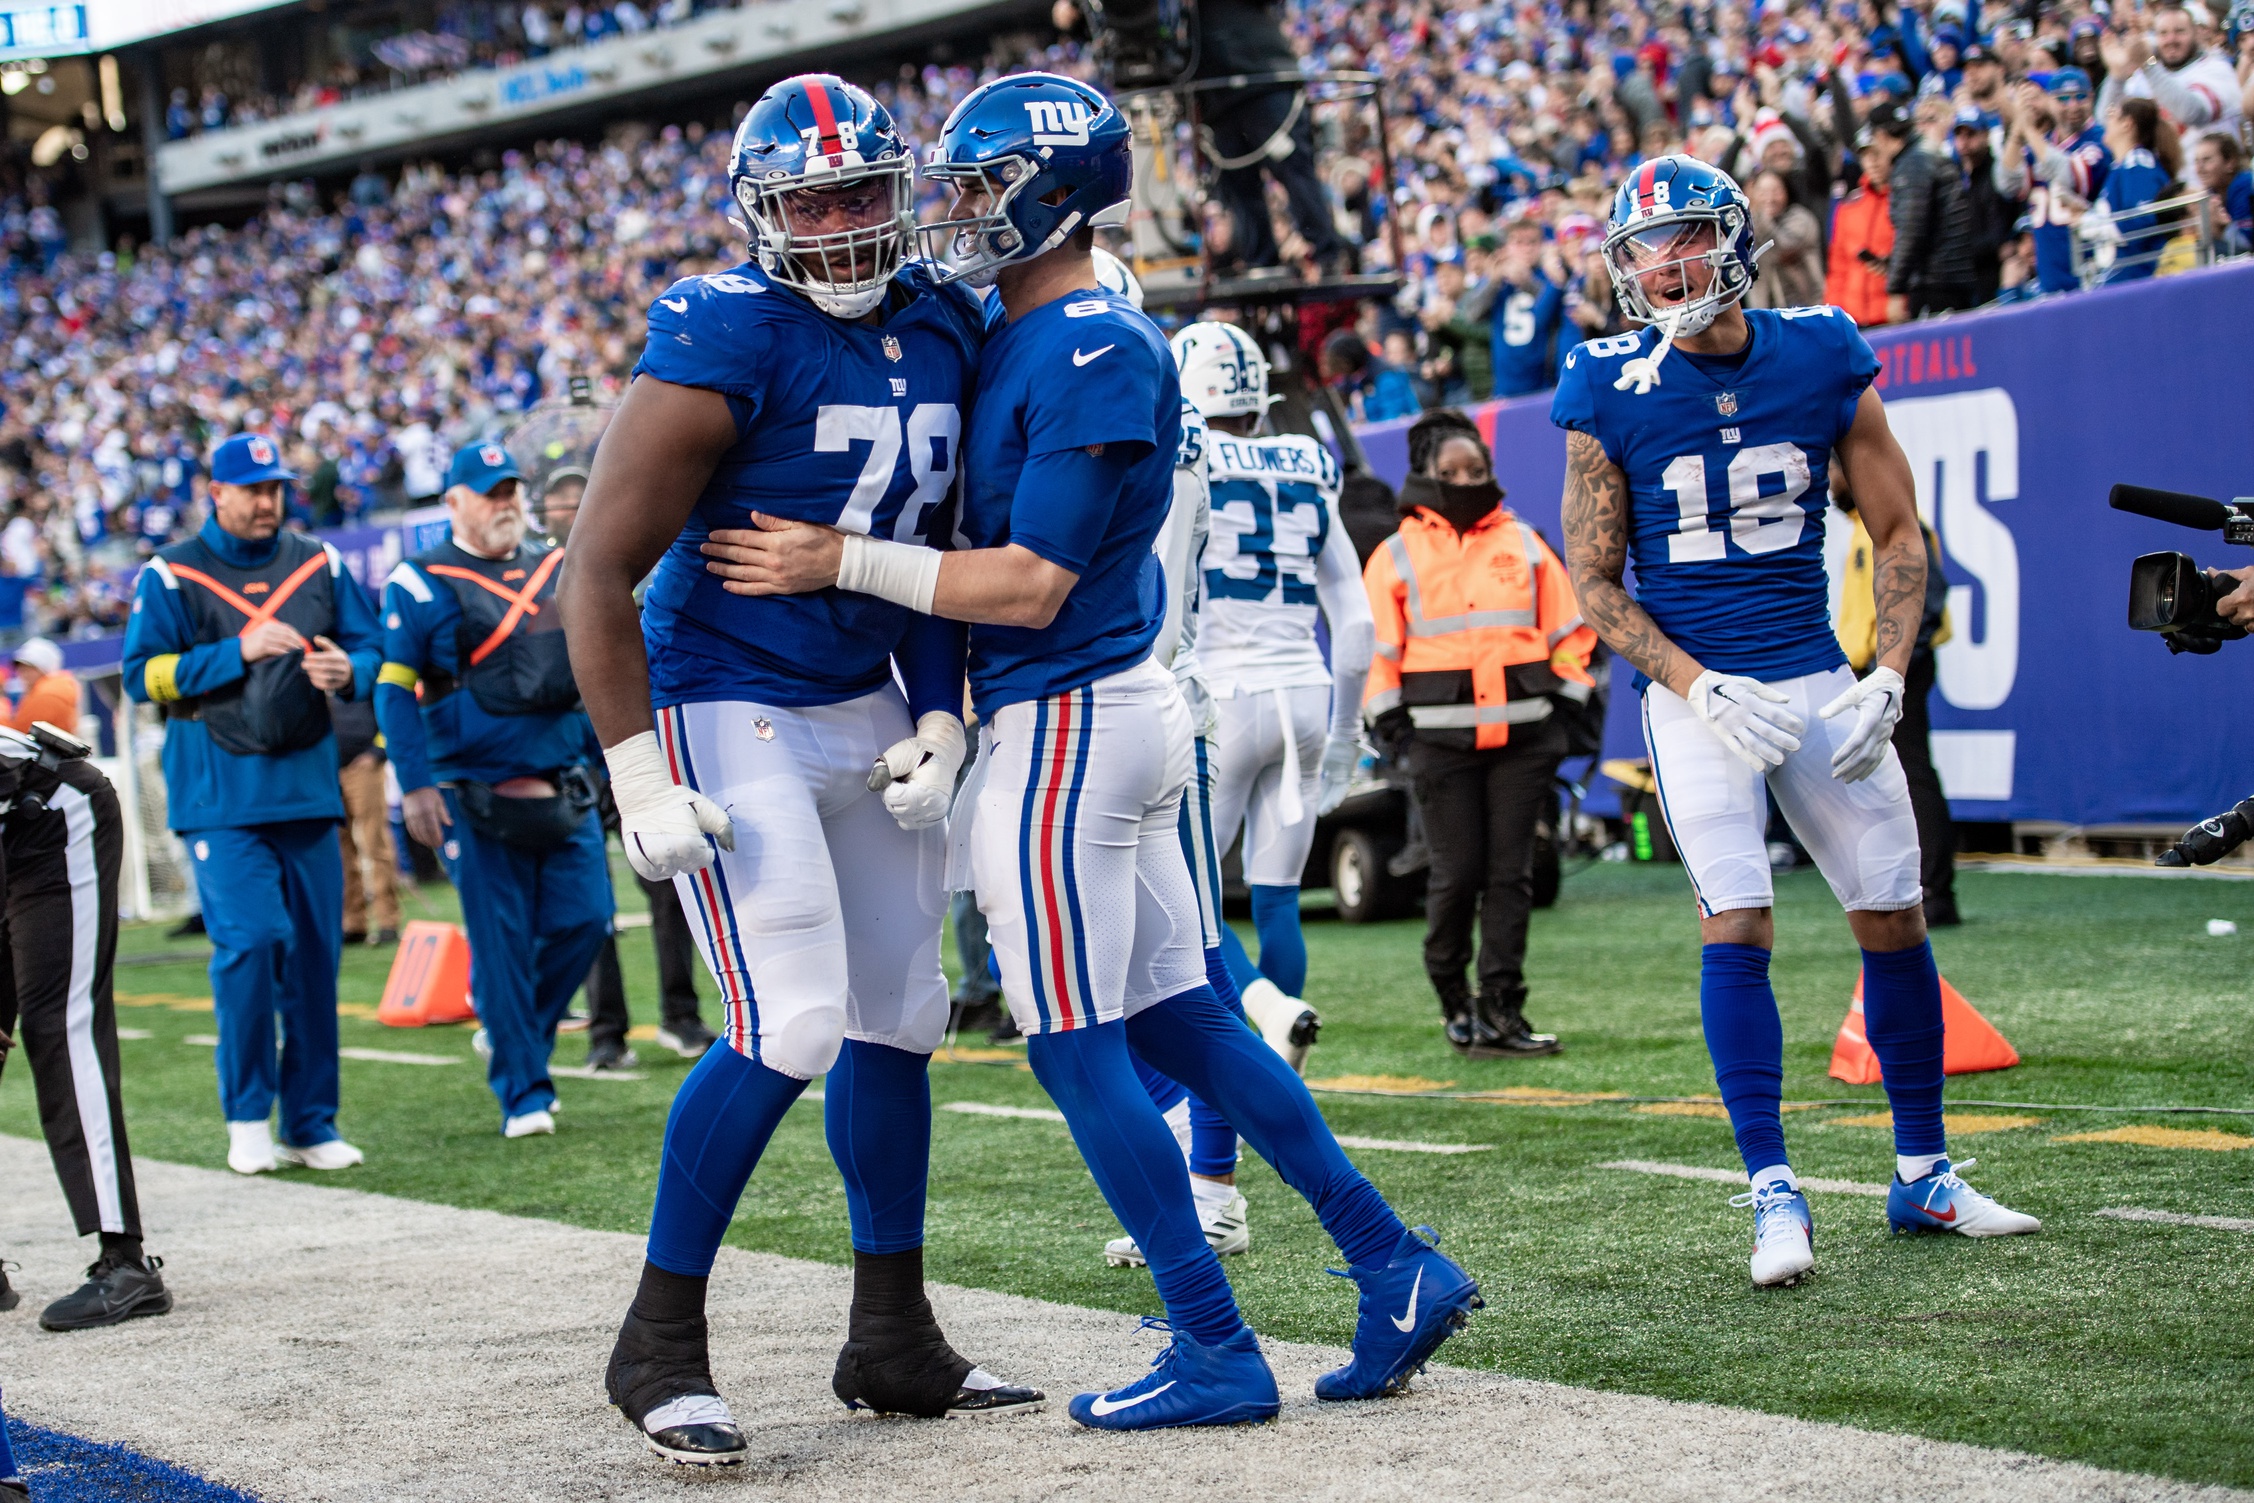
column 1969, row 1042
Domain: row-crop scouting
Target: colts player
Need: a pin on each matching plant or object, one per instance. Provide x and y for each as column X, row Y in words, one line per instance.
column 1715, row 481
column 1075, row 849
column 820, row 380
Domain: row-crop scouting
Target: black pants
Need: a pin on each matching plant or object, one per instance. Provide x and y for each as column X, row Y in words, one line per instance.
column 1480, row 809
column 1239, row 129
column 676, row 970
column 1913, row 743
column 58, row 942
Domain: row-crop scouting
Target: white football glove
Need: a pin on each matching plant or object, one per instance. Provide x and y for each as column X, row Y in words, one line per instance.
column 662, row 824
column 1877, row 703
column 917, row 775
column 1340, row 754
column 1748, row 715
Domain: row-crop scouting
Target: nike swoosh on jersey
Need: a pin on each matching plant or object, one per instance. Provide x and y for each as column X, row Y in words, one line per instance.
column 1408, row 1322
column 1080, row 359
column 1103, row 1406
column 677, row 304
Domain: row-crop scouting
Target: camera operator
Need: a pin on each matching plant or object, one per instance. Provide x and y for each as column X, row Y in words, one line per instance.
column 61, row 839
column 1265, row 129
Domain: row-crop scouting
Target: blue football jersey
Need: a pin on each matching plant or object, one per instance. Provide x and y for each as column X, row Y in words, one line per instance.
column 1729, row 476
column 1084, row 370
column 855, row 425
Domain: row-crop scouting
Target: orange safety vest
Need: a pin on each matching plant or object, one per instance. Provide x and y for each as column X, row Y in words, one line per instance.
column 1476, row 631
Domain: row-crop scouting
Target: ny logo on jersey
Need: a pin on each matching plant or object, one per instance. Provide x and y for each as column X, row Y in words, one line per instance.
column 1725, row 403
column 1058, row 122
column 899, row 386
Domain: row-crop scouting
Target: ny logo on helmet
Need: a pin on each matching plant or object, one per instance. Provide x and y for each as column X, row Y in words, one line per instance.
column 1058, row 122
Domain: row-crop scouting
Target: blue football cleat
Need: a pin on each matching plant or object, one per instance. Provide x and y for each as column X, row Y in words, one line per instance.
column 1941, row 1202
column 1409, row 1307
column 1188, row 1384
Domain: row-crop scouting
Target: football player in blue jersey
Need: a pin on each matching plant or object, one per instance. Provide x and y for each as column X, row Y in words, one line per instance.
column 1711, row 472
column 1073, row 842
column 823, row 379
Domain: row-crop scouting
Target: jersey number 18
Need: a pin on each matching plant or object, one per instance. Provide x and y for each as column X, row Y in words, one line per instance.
column 1760, row 520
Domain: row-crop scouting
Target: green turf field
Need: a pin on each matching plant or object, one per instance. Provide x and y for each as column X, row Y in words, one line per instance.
column 2122, row 1343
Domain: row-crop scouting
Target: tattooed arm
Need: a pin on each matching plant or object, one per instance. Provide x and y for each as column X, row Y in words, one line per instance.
column 1596, row 554
column 1886, row 497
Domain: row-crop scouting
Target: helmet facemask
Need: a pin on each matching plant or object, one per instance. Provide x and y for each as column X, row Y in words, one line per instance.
column 974, row 247
column 837, row 232
column 1689, row 257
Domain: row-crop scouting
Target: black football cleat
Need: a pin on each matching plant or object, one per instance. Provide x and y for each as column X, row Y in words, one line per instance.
column 9, row 1297
column 660, row 1377
column 924, row 1377
column 115, row 1290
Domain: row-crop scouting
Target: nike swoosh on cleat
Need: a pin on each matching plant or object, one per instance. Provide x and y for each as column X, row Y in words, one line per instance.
column 1080, row 359
column 1408, row 1322
column 1102, row 1405
column 677, row 304
column 1948, row 1215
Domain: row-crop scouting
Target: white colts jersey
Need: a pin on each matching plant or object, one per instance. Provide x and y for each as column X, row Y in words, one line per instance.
column 1274, row 553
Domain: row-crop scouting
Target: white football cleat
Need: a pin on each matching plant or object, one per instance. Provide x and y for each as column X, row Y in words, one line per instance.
column 334, row 1154
column 1227, row 1231
column 1941, row 1202
column 250, row 1148
column 531, row 1124
column 1784, row 1237
column 481, row 1044
column 1288, row 1024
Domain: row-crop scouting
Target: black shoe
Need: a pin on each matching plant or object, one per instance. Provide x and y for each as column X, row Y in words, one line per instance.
column 1941, row 912
column 15, row 1487
column 1504, row 1013
column 1458, row 1020
column 611, row 1054
column 187, row 928
column 688, row 1038
column 917, row 1373
column 355, row 936
column 1409, row 860
column 980, row 1016
column 114, row 1291
column 9, row 1297
column 660, row 1377
column 1006, row 1031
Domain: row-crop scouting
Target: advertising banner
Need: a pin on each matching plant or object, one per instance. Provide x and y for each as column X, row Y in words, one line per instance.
column 2016, row 422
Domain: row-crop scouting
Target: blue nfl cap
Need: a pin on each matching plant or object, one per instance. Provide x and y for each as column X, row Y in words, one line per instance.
column 249, row 459
column 2070, row 83
column 481, row 467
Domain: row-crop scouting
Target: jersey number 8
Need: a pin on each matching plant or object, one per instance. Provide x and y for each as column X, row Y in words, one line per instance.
column 1759, row 523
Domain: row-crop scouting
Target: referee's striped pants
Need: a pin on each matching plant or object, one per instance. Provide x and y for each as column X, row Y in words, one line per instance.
column 58, row 939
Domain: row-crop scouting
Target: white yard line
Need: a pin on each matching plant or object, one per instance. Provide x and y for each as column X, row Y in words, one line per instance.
column 1733, row 1177
column 2178, row 1218
column 569, row 1072
column 988, row 1109
column 1411, row 1145
column 332, row 1346
column 402, row 1057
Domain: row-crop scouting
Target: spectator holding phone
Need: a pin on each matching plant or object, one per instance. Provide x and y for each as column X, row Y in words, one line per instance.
column 2057, row 160
column 1862, row 242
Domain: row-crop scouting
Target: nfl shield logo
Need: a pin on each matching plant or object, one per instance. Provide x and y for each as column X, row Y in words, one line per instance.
column 491, row 454
column 1726, row 404
column 261, row 452
column 891, row 348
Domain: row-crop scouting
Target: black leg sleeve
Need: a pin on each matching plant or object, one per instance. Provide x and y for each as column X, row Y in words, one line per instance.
column 1913, row 743
column 606, row 996
column 1453, row 795
column 1517, row 778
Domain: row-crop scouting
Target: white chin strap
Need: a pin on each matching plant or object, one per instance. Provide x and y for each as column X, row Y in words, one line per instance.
column 846, row 304
column 1642, row 373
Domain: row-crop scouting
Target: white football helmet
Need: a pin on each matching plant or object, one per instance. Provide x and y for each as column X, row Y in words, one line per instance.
column 1223, row 372
column 1113, row 275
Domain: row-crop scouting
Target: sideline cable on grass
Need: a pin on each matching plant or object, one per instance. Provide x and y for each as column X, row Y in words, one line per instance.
column 1536, row 1096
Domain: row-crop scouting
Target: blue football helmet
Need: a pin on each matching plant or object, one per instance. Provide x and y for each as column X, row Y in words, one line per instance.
column 823, row 177
column 1042, row 156
column 1658, row 239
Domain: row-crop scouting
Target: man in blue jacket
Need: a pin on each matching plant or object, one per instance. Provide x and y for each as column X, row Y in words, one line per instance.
column 239, row 633
column 496, row 763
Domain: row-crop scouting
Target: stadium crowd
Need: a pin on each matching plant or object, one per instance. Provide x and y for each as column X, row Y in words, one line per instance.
column 1904, row 162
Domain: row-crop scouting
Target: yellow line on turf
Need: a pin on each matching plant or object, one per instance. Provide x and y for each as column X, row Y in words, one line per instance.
column 2164, row 1137
column 1956, row 1122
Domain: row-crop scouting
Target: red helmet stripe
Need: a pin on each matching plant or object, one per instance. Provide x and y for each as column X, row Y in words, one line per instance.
column 1645, row 184
column 825, row 119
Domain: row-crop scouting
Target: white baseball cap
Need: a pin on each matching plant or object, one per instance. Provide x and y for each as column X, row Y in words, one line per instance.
column 39, row 653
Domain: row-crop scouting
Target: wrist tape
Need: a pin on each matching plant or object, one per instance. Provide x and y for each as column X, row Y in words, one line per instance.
column 899, row 572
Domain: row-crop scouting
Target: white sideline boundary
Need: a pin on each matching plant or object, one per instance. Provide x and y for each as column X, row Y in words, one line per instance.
column 2178, row 1218
column 1733, row 1177
column 332, row 1346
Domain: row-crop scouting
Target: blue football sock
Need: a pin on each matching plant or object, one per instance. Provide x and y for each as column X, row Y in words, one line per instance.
column 1218, row 977
column 1283, row 949
column 722, row 1117
column 1164, row 1093
column 1902, row 1020
column 876, row 1112
column 1242, row 972
column 1197, row 1041
column 1213, row 1142
column 1745, row 1037
column 1138, row 1167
